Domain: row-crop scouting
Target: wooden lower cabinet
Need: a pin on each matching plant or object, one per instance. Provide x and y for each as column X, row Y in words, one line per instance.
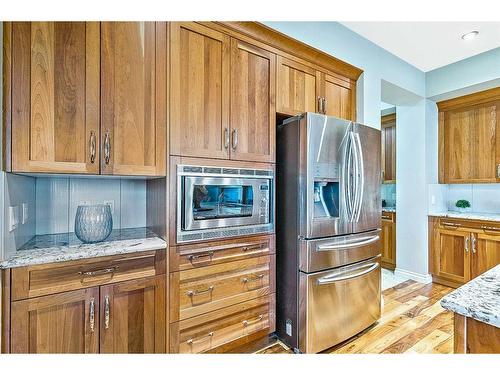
column 474, row 337
column 59, row 323
column 460, row 250
column 218, row 330
column 132, row 316
column 388, row 240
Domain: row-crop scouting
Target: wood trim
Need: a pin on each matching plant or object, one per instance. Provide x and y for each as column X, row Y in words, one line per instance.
column 285, row 43
column 5, row 312
column 446, row 282
column 442, row 167
column 471, row 99
column 390, row 118
column 7, row 96
column 459, row 334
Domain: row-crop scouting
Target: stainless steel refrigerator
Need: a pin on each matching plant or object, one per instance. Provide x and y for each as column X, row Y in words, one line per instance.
column 328, row 230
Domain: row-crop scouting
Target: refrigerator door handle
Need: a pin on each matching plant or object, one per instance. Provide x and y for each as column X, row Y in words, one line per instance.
column 337, row 246
column 348, row 274
column 347, row 177
column 359, row 176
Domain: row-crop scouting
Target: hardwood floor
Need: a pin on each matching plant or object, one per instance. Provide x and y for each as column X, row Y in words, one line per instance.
column 412, row 321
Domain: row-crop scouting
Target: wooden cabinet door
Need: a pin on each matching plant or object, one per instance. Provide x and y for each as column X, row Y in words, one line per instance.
column 388, row 242
column 486, row 253
column 199, row 103
column 297, row 88
column 133, row 316
column 453, row 255
column 470, row 144
column 55, row 97
column 338, row 95
column 59, row 323
column 253, row 113
column 133, row 98
column 389, row 148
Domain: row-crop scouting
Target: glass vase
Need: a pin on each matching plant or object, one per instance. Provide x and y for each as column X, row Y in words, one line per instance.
column 93, row 223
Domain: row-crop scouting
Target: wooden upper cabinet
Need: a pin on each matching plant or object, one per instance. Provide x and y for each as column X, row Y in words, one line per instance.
column 199, row 100
column 133, row 316
column 338, row 96
column 133, row 98
column 253, row 112
column 388, row 144
column 59, row 323
column 297, row 88
column 55, row 96
column 469, row 138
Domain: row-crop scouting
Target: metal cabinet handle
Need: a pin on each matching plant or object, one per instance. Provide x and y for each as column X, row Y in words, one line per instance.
column 226, row 138
column 106, row 312
column 251, row 247
column 252, row 278
column 192, row 293
column 320, row 104
column 495, row 229
column 92, row 315
column 324, row 106
column 208, row 336
column 454, row 225
column 192, row 258
column 107, row 148
column 235, row 139
column 498, row 171
column 386, row 218
column 246, row 323
column 92, row 146
column 467, row 240
column 104, row 271
column 473, row 243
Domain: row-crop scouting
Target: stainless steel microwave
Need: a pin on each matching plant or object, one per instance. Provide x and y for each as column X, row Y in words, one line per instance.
column 222, row 202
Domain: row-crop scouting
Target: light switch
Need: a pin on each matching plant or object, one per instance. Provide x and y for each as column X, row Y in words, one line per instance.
column 25, row 214
column 13, row 218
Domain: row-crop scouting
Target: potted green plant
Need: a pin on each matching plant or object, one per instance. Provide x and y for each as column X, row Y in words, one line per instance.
column 462, row 205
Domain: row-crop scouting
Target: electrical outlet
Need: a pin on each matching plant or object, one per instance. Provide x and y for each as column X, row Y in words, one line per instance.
column 433, row 199
column 13, row 218
column 111, row 204
column 25, row 213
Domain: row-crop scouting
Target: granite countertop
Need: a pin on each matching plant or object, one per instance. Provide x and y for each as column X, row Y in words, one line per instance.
column 388, row 209
column 467, row 215
column 50, row 248
column 478, row 299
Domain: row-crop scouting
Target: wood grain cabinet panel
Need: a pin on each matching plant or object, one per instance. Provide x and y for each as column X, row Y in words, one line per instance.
column 338, row 95
column 388, row 236
column 388, row 133
column 253, row 113
column 200, row 75
column 453, row 254
column 133, row 316
column 486, row 254
column 55, row 97
column 133, row 98
column 297, row 87
column 59, row 323
column 469, row 138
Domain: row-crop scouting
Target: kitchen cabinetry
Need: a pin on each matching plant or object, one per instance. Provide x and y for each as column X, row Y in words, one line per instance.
column 72, row 109
column 388, row 148
column 460, row 250
column 388, row 235
column 119, row 306
column 469, row 138
column 337, row 95
column 133, row 98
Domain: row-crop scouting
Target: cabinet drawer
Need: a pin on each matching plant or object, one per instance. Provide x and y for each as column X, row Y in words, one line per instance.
column 200, row 255
column 39, row 280
column 209, row 331
column 388, row 216
column 198, row 291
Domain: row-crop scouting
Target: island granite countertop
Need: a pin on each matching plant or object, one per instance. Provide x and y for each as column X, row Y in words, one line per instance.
column 479, row 299
column 50, row 248
column 467, row 215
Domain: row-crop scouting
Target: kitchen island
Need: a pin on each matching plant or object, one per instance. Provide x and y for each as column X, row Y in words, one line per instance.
column 476, row 308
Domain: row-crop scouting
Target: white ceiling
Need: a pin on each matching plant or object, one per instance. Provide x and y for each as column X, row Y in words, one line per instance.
column 429, row 45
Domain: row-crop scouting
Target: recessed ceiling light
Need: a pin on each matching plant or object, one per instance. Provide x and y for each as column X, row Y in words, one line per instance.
column 471, row 35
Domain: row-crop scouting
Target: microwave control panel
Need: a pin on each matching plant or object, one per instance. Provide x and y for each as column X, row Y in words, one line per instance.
column 264, row 203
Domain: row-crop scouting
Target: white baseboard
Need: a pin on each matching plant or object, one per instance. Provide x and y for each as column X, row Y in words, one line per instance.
column 420, row 277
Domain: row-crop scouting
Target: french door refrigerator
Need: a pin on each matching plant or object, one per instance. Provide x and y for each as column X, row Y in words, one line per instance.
column 328, row 230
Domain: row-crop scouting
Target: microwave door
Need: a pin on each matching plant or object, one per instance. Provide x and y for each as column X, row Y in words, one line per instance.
column 367, row 200
column 326, row 181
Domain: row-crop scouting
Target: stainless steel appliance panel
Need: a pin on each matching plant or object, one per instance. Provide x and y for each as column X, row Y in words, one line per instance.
column 325, row 212
column 367, row 202
column 334, row 305
column 322, row 254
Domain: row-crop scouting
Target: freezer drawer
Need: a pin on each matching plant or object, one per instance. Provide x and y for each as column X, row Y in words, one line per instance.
column 334, row 305
column 326, row 253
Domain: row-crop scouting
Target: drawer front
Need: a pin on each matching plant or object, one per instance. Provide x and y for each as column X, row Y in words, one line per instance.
column 201, row 255
column 388, row 216
column 35, row 281
column 209, row 331
column 489, row 227
column 198, row 291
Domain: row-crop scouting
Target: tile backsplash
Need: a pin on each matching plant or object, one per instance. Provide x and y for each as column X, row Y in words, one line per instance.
column 388, row 192
column 484, row 198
